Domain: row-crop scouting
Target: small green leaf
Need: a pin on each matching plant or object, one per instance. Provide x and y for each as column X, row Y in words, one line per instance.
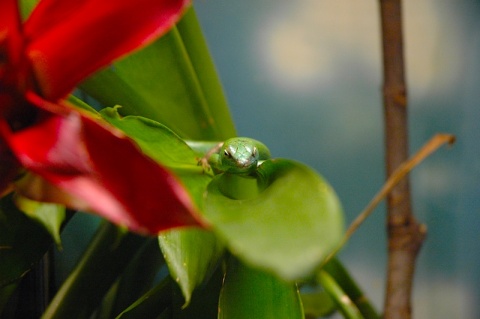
column 251, row 293
column 22, row 242
column 289, row 228
column 50, row 216
column 191, row 255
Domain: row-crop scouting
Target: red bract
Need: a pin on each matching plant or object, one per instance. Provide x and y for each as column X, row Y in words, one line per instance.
column 82, row 162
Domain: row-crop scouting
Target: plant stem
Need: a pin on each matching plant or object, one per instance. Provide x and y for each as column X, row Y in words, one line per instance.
column 405, row 234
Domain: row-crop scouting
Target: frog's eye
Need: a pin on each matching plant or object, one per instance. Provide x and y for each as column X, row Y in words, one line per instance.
column 227, row 153
column 255, row 152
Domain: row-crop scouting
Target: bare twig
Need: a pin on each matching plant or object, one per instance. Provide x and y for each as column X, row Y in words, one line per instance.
column 405, row 234
column 431, row 146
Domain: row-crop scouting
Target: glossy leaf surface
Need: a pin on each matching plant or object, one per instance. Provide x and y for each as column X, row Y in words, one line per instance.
column 250, row 293
column 288, row 228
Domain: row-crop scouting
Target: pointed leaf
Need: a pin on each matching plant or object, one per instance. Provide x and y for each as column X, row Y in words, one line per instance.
column 250, row 293
column 151, row 304
column 288, row 228
column 50, row 216
column 191, row 256
column 107, row 29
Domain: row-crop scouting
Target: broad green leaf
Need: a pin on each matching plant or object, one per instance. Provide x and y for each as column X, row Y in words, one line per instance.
column 251, row 293
column 162, row 82
column 288, row 228
column 50, row 216
column 191, row 255
column 23, row 242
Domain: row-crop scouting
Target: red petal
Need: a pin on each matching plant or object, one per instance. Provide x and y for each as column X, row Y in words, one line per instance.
column 106, row 170
column 10, row 35
column 8, row 166
column 69, row 40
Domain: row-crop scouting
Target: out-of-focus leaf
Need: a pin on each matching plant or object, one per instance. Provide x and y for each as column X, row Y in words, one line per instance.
column 191, row 255
column 341, row 299
column 6, row 293
column 107, row 256
column 318, row 304
column 51, row 216
column 162, row 82
column 341, row 276
column 288, row 228
column 204, row 303
column 151, row 304
column 22, row 242
column 250, row 293
column 60, row 61
column 134, row 281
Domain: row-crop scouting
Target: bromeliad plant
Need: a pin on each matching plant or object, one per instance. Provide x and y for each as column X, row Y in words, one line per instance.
column 237, row 243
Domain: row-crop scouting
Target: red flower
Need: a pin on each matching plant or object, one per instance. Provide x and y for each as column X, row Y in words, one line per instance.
column 81, row 161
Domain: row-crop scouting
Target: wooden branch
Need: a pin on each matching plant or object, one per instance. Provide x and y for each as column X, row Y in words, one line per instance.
column 405, row 234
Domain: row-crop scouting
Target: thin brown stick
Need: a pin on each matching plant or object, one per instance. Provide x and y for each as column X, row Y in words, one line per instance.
column 405, row 234
column 431, row 146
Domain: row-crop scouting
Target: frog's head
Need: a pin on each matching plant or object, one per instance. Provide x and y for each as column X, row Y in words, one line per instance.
column 238, row 156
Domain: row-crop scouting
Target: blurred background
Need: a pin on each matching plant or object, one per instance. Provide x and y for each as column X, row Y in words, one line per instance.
column 305, row 78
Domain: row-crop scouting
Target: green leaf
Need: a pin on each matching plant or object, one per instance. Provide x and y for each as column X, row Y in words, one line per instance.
column 50, row 216
column 191, row 256
column 23, row 242
column 151, row 304
column 164, row 146
column 340, row 274
column 341, row 299
column 318, row 304
column 288, row 228
column 135, row 280
column 251, row 293
column 155, row 139
column 107, row 256
column 162, row 82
